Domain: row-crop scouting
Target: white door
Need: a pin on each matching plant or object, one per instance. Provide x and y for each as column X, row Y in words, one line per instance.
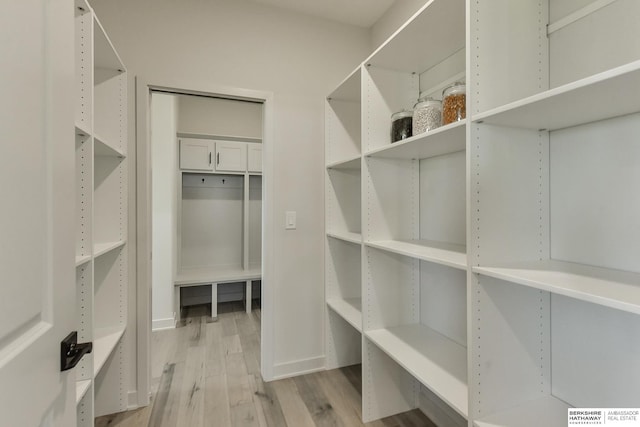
column 37, row 293
column 231, row 156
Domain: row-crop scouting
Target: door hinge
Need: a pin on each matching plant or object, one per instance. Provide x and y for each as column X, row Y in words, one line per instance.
column 71, row 352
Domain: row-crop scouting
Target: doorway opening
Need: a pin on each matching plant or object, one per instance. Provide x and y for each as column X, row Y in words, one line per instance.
column 203, row 184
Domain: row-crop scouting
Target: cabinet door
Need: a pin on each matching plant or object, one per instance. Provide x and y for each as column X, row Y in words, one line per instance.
column 231, row 156
column 196, row 154
column 254, row 158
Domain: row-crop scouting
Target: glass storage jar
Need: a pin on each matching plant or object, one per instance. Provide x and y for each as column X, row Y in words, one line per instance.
column 427, row 115
column 401, row 125
column 454, row 103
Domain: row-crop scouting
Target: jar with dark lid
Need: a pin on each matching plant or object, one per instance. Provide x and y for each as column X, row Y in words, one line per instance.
column 401, row 125
column 454, row 103
column 427, row 115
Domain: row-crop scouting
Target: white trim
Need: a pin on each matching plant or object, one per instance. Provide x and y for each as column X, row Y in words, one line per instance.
column 298, row 367
column 143, row 205
column 161, row 324
column 219, row 137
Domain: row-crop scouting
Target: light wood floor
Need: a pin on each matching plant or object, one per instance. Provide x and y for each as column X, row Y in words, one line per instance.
column 207, row 373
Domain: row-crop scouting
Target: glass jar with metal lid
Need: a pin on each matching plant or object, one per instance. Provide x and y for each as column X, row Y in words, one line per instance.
column 401, row 125
column 427, row 114
column 454, row 103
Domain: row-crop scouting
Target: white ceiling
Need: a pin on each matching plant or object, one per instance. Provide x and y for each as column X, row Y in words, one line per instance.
column 363, row 13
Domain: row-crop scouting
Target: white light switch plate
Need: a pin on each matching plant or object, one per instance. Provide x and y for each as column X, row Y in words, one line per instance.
column 290, row 220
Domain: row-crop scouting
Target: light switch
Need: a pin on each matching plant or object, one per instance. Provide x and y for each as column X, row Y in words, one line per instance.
column 290, row 220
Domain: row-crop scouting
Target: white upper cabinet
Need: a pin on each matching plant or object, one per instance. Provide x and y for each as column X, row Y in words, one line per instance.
column 196, row 154
column 254, row 158
column 230, row 156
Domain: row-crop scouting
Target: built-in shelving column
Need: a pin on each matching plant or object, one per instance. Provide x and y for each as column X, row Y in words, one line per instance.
column 414, row 227
column 553, row 211
column 84, row 206
column 343, row 240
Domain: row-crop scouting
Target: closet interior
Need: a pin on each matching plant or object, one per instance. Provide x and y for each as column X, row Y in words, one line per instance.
column 218, row 200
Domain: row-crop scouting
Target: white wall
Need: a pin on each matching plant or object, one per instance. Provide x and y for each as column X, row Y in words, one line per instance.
column 164, row 159
column 212, row 116
column 300, row 59
column 398, row 13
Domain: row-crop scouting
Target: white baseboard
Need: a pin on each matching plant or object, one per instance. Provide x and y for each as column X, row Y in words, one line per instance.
column 298, row 367
column 159, row 324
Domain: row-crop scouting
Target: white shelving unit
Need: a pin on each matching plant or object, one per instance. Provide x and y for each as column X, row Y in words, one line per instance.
column 343, row 247
column 101, row 212
column 485, row 258
column 555, row 190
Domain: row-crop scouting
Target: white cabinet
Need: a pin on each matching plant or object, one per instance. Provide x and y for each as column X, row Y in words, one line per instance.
column 480, row 261
column 196, row 154
column 254, row 158
column 231, row 156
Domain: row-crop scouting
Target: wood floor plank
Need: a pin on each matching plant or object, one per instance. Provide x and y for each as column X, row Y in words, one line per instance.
column 316, row 401
column 238, row 383
column 251, row 352
column 345, row 400
column 216, row 402
column 135, row 418
column 191, row 409
column 215, row 354
column 244, row 415
column 231, row 344
column 267, row 402
column 294, row 410
column 228, row 322
column 161, row 398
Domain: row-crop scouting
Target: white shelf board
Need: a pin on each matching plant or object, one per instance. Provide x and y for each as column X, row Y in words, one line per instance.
column 106, row 58
column 104, row 343
column 103, row 148
column 612, row 93
column 439, row 363
column 205, row 275
column 349, row 89
column 448, row 254
column 350, row 163
column 81, row 389
column 444, row 140
column 347, row 236
column 81, row 131
column 103, row 248
column 437, row 28
column 546, row 411
column 82, row 259
column 350, row 309
column 611, row 288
